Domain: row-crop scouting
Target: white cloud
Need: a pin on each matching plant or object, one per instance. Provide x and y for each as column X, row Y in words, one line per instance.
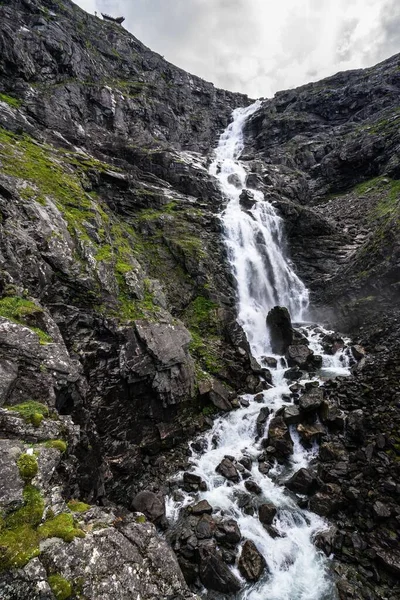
column 261, row 46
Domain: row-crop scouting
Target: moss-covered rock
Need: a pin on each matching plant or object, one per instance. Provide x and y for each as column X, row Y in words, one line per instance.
column 28, row 466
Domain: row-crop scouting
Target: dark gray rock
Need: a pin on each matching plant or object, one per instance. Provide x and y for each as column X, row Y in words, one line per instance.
column 251, row 562
column 311, row 400
column 151, row 505
column 280, row 329
column 302, row 482
column 215, row 574
column 227, row 469
column 266, row 513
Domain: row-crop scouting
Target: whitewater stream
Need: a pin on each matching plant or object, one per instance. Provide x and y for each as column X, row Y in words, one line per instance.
column 265, row 278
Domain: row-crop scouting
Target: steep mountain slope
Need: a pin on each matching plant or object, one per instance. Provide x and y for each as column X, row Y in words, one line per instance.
column 117, row 312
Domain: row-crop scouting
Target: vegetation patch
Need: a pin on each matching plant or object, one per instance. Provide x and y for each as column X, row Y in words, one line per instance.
column 61, row 526
column 10, row 100
column 32, row 412
column 61, row 587
column 78, row 507
column 201, row 318
column 21, row 531
column 27, row 466
column 22, row 311
column 57, row 444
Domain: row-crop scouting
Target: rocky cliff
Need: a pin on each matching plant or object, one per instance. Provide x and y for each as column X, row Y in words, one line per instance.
column 117, row 311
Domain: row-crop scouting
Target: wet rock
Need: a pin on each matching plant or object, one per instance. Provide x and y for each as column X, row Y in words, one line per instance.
column 253, row 487
column 246, row 462
column 266, row 513
column 251, row 562
column 228, row 532
column 151, row 505
column 302, row 482
column 205, row 527
column 247, row 200
column 291, row 415
column 279, row 438
column 192, row 482
column 311, row 400
column 217, row 393
column 331, row 415
column 293, row 374
column 201, row 508
column 270, row 361
column 280, row 329
column 299, row 355
column 310, row 433
column 264, row 468
column 227, row 469
column 215, row 574
column 262, row 420
column 332, row 343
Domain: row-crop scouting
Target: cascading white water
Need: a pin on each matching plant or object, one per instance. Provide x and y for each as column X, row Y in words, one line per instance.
column 254, row 238
column 265, row 278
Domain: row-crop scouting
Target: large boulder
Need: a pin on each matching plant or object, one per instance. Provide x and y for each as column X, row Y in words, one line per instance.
column 266, row 513
column 227, row 469
column 302, row 482
column 251, row 562
column 151, row 505
column 280, row 329
column 279, row 438
column 215, row 574
column 311, row 400
column 299, row 355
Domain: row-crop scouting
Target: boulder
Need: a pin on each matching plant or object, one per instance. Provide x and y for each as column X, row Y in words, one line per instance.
column 151, row 505
column 228, row 532
column 270, row 361
column 302, row 482
column 215, row 574
column 266, row 513
column 201, row 508
column 227, row 469
column 279, row 438
column 247, row 200
column 358, row 352
column 293, row 374
column 217, row 393
column 280, row 329
column 310, row 433
column 299, row 355
column 261, row 420
column 251, row 562
column 291, row 415
column 311, row 400
column 253, row 487
column 205, row 528
column 193, row 482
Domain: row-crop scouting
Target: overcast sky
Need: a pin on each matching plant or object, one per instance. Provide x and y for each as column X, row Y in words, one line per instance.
column 261, row 46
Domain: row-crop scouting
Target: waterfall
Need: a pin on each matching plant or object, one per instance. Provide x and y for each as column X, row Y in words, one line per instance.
column 265, row 277
column 254, row 238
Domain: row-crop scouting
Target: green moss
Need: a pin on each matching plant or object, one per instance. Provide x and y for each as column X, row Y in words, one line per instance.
column 31, row 411
column 28, row 466
column 78, row 507
column 62, row 526
column 36, row 419
column 61, row 587
column 141, row 519
column 10, row 100
column 57, row 444
column 22, row 311
column 19, row 541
